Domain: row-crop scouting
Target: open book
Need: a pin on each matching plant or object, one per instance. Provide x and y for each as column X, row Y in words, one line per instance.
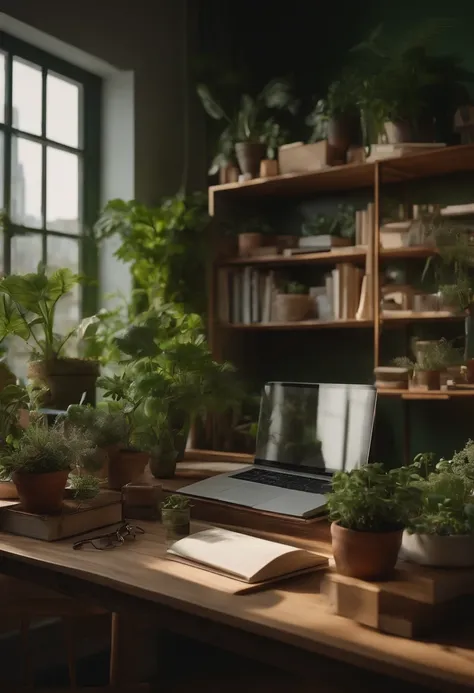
column 242, row 557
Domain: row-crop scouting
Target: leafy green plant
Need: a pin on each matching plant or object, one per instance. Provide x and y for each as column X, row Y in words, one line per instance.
column 371, row 499
column 341, row 224
column 339, row 102
column 102, row 426
column 176, row 502
column 28, row 306
column 41, row 450
column 167, row 247
column 447, row 505
column 84, row 486
column 13, row 398
column 435, row 356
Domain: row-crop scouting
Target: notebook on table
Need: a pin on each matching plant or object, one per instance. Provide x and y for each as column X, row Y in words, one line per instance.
column 244, row 558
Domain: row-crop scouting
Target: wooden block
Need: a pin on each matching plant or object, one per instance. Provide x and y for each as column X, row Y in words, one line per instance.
column 303, row 158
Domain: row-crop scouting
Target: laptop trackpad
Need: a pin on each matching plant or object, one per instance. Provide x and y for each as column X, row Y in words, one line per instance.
column 296, row 503
column 246, row 493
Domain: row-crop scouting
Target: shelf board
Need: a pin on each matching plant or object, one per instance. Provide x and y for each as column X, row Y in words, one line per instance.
column 436, row 162
column 417, row 251
column 406, row 317
column 424, row 394
column 354, row 254
column 303, row 325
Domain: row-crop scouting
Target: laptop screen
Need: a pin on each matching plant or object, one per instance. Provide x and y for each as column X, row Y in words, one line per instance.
column 319, row 428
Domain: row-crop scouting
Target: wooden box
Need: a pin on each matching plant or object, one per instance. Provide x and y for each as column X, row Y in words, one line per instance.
column 304, row 158
column 77, row 517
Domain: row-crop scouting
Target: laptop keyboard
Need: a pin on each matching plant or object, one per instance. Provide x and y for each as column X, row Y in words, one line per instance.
column 288, row 481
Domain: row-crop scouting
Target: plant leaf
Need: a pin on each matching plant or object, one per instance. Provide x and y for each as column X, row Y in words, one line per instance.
column 211, row 106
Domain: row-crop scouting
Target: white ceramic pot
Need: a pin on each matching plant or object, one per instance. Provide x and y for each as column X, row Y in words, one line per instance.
column 440, row 551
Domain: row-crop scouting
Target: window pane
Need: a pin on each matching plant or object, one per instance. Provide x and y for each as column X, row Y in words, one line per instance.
column 26, row 183
column 27, row 252
column 64, row 252
column 62, row 191
column 26, row 97
column 2, row 87
column 62, row 111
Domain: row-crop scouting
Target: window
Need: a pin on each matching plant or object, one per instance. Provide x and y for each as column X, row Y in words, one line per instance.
column 49, row 167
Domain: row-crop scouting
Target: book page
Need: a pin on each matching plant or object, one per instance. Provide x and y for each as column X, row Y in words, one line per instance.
column 240, row 555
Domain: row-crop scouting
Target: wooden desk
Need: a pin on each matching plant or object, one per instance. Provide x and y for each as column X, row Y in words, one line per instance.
column 289, row 626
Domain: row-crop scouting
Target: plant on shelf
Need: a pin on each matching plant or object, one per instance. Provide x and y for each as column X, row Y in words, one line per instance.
column 251, row 126
column 41, row 461
column 28, row 305
column 369, row 507
column 251, row 233
column 168, row 378
column 176, row 516
column 435, row 357
column 167, row 247
column 440, row 531
column 336, row 118
column 341, row 224
column 292, row 303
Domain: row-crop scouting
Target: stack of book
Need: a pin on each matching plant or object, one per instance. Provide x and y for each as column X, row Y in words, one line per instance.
column 364, row 225
column 247, row 296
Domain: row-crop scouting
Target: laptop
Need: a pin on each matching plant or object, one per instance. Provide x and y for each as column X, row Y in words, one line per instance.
column 306, row 432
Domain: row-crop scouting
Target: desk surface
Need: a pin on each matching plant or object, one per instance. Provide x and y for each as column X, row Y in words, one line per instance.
column 294, row 614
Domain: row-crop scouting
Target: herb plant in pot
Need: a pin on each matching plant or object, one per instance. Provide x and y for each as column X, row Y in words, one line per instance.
column 176, row 517
column 28, row 305
column 40, row 463
column 369, row 508
column 441, row 532
column 293, row 303
column 249, row 124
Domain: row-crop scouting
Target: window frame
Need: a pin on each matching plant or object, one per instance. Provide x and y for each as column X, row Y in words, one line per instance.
column 88, row 147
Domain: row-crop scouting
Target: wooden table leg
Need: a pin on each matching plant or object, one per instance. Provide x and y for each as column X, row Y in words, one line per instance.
column 127, row 647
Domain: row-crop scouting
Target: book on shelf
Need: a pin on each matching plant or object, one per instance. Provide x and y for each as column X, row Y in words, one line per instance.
column 244, row 558
column 322, row 242
column 343, row 288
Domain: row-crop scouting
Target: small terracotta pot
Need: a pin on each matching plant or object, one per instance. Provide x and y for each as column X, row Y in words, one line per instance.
column 249, row 155
column 365, row 555
column 249, row 241
column 429, row 379
column 127, row 467
column 292, row 307
column 41, row 494
column 228, row 174
column 8, row 491
column 66, row 380
column 268, row 168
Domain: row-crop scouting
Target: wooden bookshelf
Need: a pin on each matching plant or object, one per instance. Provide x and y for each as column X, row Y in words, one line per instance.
column 407, row 317
column 413, row 394
column 302, row 325
column 351, row 254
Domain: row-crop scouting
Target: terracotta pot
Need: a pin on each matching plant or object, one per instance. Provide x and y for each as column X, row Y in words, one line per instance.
column 268, row 168
column 344, row 131
column 292, row 307
column 429, row 379
column 249, row 155
column 228, row 174
column 66, row 380
column 41, row 494
column 249, row 241
column 365, row 555
column 8, row 491
column 399, row 132
column 128, row 466
column 176, row 522
column 456, row 551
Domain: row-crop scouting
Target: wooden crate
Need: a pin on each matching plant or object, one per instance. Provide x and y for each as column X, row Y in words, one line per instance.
column 303, row 158
column 414, row 602
column 76, row 518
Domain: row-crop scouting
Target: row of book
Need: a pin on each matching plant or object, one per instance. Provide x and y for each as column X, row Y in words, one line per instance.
column 247, row 296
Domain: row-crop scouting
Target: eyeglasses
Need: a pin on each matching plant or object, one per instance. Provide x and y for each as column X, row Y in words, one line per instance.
column 111, row 540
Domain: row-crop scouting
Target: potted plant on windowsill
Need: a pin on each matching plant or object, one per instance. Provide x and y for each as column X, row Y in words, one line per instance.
column 369, row 508
column 249, row 126
column 441, row 532
column 40, row 463
column 176, row 516
column 28, row 305
column 293, row 303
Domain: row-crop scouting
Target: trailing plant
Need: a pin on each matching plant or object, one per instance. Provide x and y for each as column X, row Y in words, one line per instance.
column 176, row 502
column 371, row 499
column 341, row 224
column 167, row 247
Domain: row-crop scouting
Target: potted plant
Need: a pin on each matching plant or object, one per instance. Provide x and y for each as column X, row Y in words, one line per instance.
column 431, row 360
column 176, row 516
column 369, row 508
column 105, row 428
column 251, row 234
column 292, row 303
column 274, row 137
column 40, row 462
column 249, row 125
column 336, row 118
column 340, row 225
column 28, row 305
column 13, row 400
column 441, row 531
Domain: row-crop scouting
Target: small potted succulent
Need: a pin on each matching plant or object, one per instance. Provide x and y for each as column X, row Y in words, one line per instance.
column 369, row 508
column 292, row 303
column 41, row 461
column 176, row 516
